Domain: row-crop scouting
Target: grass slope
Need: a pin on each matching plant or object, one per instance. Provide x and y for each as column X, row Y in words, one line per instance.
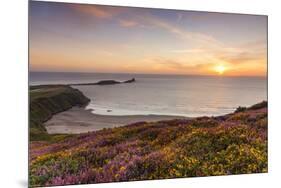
column 47, row 100
column 232, row 144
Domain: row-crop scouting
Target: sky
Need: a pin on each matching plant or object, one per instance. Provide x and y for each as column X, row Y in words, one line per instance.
column 66, row 37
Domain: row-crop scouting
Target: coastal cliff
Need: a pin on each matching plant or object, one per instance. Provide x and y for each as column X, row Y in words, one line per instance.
column 47, row 100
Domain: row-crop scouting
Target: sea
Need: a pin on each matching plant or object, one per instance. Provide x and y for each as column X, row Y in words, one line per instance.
column 181, row 95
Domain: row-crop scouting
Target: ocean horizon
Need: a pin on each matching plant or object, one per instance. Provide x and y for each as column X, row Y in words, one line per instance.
column 158, row 94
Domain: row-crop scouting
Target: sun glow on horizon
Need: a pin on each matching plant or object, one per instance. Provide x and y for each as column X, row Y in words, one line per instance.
column 220, row 69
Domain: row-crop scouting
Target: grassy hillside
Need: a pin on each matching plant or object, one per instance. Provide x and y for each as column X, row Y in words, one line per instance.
column 48, row 100
column 231, row 144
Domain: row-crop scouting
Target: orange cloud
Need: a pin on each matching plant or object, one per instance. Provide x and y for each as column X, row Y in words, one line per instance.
column 96, row 10
column 127, row 23
column 239, row 58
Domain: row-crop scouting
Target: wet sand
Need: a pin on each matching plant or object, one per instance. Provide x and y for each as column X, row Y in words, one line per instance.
column 78, row 120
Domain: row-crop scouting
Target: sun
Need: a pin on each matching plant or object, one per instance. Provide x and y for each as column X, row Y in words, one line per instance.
column 220, row 69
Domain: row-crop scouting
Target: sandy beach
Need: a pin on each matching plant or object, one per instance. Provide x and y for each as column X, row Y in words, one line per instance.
column 79, row 120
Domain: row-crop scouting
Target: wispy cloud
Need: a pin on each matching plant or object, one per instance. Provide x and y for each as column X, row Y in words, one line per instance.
column 251, row 52
column 184, row 34
column 144, row 19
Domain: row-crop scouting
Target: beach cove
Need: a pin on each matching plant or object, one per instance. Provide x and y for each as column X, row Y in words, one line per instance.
column 79, row 120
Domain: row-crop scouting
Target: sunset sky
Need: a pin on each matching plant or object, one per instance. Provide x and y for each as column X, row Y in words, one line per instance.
column 93, row 38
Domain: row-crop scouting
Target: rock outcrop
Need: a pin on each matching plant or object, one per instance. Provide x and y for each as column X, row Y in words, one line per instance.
column 105, row 82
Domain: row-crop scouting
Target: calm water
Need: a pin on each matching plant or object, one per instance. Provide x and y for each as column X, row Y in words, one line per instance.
column 163, row 94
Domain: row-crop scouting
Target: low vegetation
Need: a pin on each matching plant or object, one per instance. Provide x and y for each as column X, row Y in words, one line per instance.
column 232, row 144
